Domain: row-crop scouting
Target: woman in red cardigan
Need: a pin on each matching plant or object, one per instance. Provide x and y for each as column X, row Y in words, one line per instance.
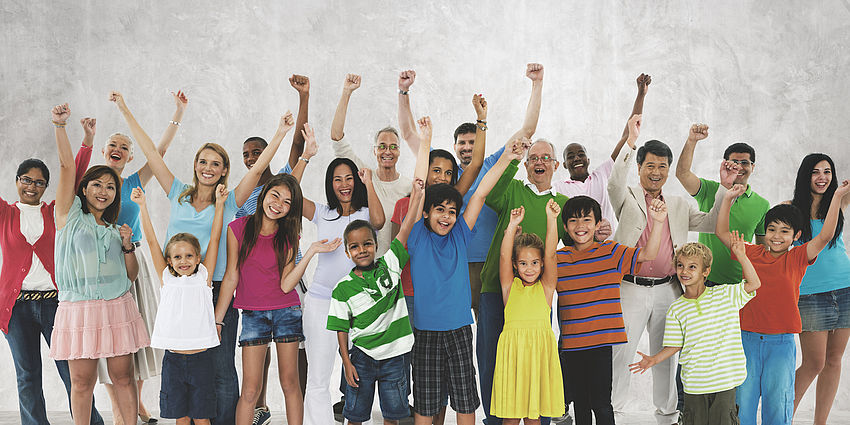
column 28, row 297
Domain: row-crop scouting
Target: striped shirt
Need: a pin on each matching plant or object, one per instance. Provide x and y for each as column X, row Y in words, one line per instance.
column 709, row 331
column 372, row 308
column 589, row 294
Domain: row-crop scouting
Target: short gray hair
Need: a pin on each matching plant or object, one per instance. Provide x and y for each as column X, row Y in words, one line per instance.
column 542, row 140
column 387, row 129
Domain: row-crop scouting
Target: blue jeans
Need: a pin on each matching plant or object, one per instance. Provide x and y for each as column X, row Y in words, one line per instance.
column 392, row 379
column 29, row 319
column 491, row 319
column 770, row 376
column 226, row 381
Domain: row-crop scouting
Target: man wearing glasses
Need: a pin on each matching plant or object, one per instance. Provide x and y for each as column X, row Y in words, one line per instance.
column 747, row 215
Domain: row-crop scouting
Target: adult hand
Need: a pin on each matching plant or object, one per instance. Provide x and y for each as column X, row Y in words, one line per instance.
column 118, row 98
column 311, row 147
column 180, row 100
column 728, row 173
column 406, row 79
column 89, row 126
column 325, row 246
column 352, row 82
column 60, row 113
column 534, row 71
column 604, row 231
column 365, row 175
column 138, row 196
column 480, row 105
column 634, row 124
column 515, row 149
column 698, row 132
column 286, row 123
column 126, row 236
column 842, row 189
column 300, row 83
column 643, row 81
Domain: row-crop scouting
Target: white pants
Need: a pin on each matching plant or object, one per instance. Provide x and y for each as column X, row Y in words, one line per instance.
column 322, row 348
column 646, row 308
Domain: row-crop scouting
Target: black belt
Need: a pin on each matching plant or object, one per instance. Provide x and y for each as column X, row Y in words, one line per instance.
column 37, row 295
column 137, row 244
column 647, row 281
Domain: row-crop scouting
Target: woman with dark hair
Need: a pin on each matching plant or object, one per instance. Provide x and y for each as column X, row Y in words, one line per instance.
column 95, row 265
column 350, row 196
column 825, row 291
column 29, row 297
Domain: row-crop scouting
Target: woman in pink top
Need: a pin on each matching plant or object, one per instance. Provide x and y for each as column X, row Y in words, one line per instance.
column 261, row 269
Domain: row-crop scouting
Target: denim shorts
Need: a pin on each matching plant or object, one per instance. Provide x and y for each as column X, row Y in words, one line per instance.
column 825, row 311
column 260, row 327
column 393, row 381
column 187, row 386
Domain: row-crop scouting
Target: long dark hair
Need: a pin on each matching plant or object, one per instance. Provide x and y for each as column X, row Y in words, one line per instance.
column 288, row 226
column 110, row 214
column 803, row 196
column 359, row 196
column 442, row 153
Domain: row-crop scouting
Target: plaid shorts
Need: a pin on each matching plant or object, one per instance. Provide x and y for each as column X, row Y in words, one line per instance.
column 442, row 364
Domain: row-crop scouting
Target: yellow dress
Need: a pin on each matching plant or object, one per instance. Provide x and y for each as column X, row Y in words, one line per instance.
column 527, row 380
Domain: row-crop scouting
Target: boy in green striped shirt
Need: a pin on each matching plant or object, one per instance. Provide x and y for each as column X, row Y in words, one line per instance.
column 704, row 325
column 369, row 304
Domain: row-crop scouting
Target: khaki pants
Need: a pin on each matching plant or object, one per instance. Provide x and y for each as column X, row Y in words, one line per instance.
column 711, row 409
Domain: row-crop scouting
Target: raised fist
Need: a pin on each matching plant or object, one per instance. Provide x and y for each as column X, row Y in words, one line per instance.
column 300, row 83
column 352, row 82
column 480, row 105
column 643, row 81
column 89, row 126
column 698, row 132
column 534, row 71
column 60, row 113
column 405, row 79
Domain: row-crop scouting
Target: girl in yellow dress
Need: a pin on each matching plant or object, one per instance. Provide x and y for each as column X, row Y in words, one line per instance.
column 527, row 381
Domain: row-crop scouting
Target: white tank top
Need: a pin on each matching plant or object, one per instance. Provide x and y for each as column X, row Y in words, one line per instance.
column 185, row 319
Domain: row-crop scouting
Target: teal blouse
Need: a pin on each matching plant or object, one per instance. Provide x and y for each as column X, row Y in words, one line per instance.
column 89, row 260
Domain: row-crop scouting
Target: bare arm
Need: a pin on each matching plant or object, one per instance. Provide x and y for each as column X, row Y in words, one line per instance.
column 180, row 100
column 376, row 211
column 721, row 228
column 738, row 248
column 406, row 123
column 84, row 153
column 348, row 368
column 643, row 81
column 533, row 71
column 470, row 173
column 819, row 242
column 617, row 182
column 231, row 277
column 513, row 150
column 292, row 273
column 352, row 82
column 138, row 196
column 658, row 214
column 416, row 195
column 249, row 182
column 649, row 361
column 311, row 147
column 689, row 180
column 215, row 232
column 67, row 167
column 506, row 252
column 302, row 85
column 550, row 256
column 130, row 262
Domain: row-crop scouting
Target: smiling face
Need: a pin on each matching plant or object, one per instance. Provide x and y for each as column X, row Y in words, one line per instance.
column 653, row 173
column 277, row 202
column 744, row 171
column 118, row 151
column 440, row 171
column 250, row 152
column 360, row 247
column 581, row 230
column 779, row 236
column 209, row 167
column 528, row 264
column 387, row 150
column 30, row 193
column 540, row 164
column 183, row 258
column 343, row 183
column 100, row 192
column 691, row 271
column 463, row 148
column 442, row 217
column 821, row 177
column 576, row 162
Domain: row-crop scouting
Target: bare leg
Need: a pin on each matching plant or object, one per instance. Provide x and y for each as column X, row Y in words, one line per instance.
column 528, row 421
column 201, row 421
column 253, row 358
column 261, row 402
column 441, row 417
column 829, row 377
column 390, row 422
column 813, row 349
column 302, row 369
column 124, row 384
column 116, row 415
column 287, row 366
column 466, row 419
column 510, row 421
column 83, row 379
column 186, row 421
column 143, row 412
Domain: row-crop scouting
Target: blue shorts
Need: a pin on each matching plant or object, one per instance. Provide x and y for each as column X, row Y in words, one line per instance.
column 825, row 311
column 393, row 381
column 188, row 385
column 260, row 327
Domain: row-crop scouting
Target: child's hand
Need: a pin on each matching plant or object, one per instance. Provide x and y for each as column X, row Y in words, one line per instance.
column 658, row 211
column 517, row 214
column 604, row 231
column 311, row 147
column 218, row 331
column 325, row 246
column 734, row 192
column 418, row 187
column 352, row 82
column 842, row 189
column 738, row 247
column 351, row 374
column 220, row 195
column 365, row 175
column 425, row 128
column 553, row 210
column 138, row 196
column 126, row 236
column 634, row 124
column 643, row 365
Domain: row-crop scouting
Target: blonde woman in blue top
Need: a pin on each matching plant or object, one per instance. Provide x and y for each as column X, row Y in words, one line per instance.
column 95, row 264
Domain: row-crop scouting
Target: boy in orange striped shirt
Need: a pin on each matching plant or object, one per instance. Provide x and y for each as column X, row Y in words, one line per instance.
column 589, row 313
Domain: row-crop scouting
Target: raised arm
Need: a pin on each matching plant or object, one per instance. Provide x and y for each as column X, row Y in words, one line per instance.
column 406, row 124
column 311, row 147
column 155, row 162
column 417, row 193
column 658, row 214
column 301, row 84
column 292, row 272
column 215, row 232
column 514, row 150
column 689, row 180
column 180, row 102
column 470, row 173
column 376, row 211
column 231, row 278
column 622, row 165
column 740, row 251
column 83, row 157
column 819, row 242
column 706, row 222
column 550, row 256
column 506, row 252
column 643, row 81
column 534, row 71
column 249, row 181
column 159, row 264
column 67, row 168
column 130, row 262
column 721, row 229
column 352, row 82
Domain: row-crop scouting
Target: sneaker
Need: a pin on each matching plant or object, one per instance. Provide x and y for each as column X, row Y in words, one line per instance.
column 262, row 416
column 338, row 411
column 563, row 420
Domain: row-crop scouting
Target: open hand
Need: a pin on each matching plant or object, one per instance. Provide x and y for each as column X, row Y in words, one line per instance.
column 738, row 247
column 480, row 105
column 180, row 99
column 728, row 173
column 300, row 83
column 325, row 246
column 351, row 374
column 534, row 71
column 603, row 232
column 643, row 81
column 643, row 365
column 735, row 191
column 89, row 126
column 60, row 113
column 698, row 132
column 406, row 79
column 352, row 82
column 311, row 147
column 658, row 211
column 425, row 128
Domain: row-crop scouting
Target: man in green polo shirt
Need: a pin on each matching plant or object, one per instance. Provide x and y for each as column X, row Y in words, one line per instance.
column 747, row 215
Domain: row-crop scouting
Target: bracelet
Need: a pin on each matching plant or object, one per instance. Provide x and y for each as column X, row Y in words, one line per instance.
column 129, row 251
column 482, row 127
column 219, row 324
column 59, row 124
column 301, row 158
column 481, row 121
column 174, row 122
column 403, row 92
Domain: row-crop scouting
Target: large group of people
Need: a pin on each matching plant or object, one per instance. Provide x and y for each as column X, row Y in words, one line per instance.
column 408, row 264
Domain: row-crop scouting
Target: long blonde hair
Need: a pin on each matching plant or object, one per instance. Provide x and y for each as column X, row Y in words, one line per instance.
column 189, row 193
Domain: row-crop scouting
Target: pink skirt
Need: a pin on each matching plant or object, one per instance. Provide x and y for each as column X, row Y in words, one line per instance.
column 97, row 329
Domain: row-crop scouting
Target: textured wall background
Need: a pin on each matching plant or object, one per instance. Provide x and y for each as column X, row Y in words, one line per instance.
column 770, row 73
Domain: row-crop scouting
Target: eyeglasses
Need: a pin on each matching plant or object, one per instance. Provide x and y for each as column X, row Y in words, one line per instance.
column 742, row 162
column 383, row 147
column 544, row 159
column 26, row 181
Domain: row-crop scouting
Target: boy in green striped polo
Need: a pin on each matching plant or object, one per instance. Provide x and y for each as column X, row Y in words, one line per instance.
column 369, row 304
column 704, row 325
